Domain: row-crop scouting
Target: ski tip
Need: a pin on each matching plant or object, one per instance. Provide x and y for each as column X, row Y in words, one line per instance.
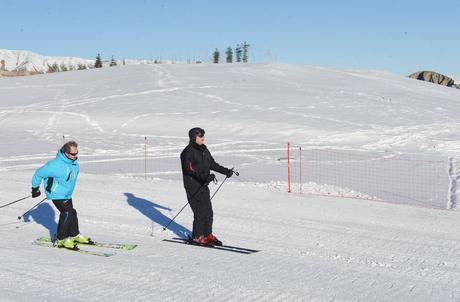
column 129, row 247
column 45, row 239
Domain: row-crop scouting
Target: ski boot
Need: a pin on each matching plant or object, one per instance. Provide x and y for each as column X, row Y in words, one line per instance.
column 81, row 239
column 203, row 241
column 211, row 238
column 67, row 243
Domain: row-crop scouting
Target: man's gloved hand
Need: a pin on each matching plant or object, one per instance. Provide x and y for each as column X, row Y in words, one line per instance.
column 36, row 192
column 210, row 178
column 229, row 173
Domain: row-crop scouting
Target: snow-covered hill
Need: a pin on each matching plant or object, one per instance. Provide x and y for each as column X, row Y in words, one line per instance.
column 15, row 62
column 311, row 248
column 341, row 109
column 20, row 63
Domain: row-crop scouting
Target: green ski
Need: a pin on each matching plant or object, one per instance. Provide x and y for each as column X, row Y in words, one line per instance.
column 99, row 244
column 48, row 243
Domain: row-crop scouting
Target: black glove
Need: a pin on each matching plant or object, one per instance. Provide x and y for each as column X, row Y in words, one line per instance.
column 229, row 173
column 210, row 178
column 36, row 192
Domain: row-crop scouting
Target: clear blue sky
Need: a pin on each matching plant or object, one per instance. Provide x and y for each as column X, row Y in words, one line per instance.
column 399, row 36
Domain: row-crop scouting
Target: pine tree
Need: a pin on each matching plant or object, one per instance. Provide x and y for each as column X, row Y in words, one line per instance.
column 229, row 54
column 98, row 63
column 238, row 53
column 55, row 67
column 216, row 56
column 245, row 52
column 113, row 62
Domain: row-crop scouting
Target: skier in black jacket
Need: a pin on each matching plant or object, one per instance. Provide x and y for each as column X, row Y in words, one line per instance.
column 196, row 163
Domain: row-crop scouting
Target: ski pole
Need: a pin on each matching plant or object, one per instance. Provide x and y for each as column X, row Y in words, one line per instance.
column 19, row 217
column 15, row 201
column 164, row 229
column 218, row 188
column 236, row 173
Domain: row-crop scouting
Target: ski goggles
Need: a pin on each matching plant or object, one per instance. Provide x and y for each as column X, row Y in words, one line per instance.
column 200, row 133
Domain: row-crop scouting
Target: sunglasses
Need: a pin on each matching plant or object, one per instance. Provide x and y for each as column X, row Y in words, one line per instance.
column 73, row 154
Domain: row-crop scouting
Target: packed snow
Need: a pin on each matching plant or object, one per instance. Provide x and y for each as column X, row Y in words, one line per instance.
column 310, row 248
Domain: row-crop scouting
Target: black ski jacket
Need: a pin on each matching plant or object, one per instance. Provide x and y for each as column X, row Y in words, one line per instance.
column 197, row 161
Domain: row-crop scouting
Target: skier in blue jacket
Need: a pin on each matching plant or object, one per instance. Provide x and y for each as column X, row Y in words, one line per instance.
column 59, row 178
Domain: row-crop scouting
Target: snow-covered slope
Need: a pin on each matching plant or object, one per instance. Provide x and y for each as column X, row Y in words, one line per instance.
column 311, row 248
column 359, row 110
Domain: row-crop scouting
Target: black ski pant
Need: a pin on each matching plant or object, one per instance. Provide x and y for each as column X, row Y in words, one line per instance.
column 200, row 202
column 68, row 221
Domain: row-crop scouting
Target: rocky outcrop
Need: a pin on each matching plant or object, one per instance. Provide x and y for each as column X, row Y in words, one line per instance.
column 433, row 77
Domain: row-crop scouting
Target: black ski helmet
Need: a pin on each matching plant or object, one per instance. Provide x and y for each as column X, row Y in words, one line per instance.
column 194, row 132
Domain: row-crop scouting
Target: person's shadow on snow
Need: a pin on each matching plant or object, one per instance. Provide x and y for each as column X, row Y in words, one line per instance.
column 149, row 209
column 44, row 214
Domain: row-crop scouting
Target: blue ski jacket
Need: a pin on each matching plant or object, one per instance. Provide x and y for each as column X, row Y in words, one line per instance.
column 59, row 177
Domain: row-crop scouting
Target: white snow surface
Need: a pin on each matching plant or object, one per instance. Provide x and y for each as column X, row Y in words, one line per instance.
column 311, row 248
